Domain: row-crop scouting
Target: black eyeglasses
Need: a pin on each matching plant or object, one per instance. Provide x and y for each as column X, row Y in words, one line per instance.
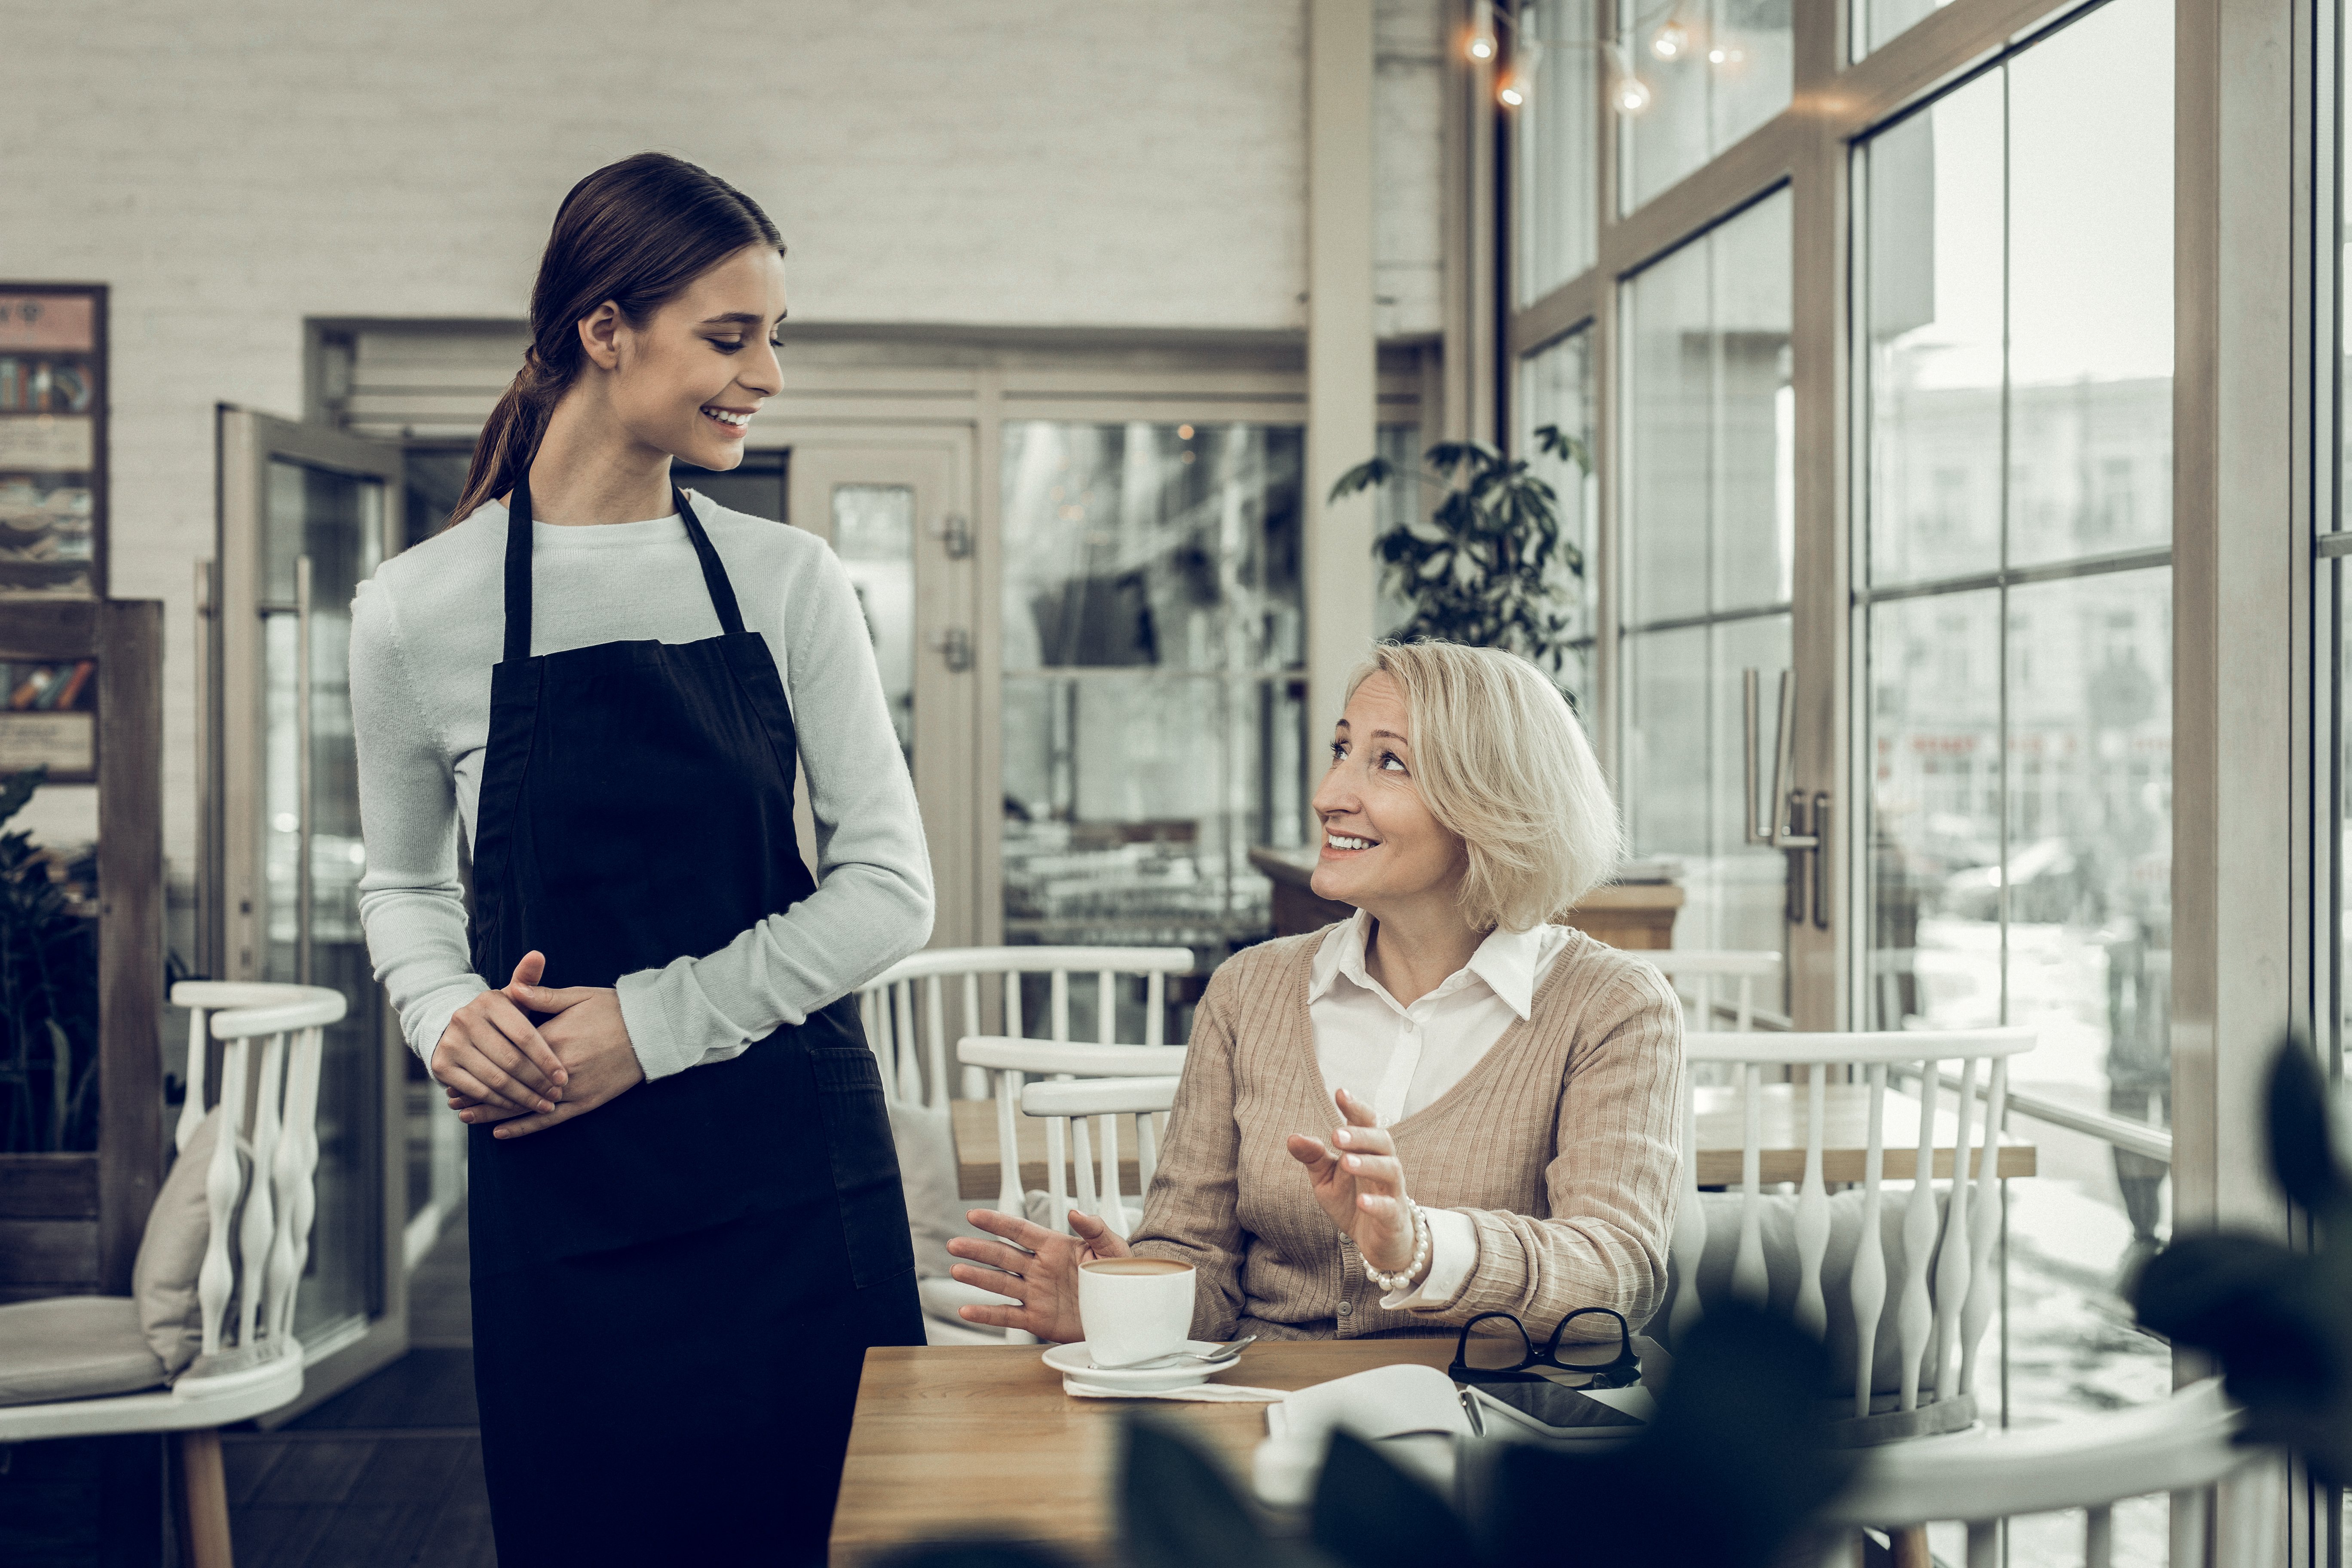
column 1501, row 1356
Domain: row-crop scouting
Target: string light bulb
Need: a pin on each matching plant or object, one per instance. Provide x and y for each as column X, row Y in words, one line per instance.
column 1726, row 53
column 1519, row 85
column 1628, row 93
column 1482, row 30
column 1670, row 41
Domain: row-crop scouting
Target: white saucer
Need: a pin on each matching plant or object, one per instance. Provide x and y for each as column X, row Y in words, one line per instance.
column 1073, row 1361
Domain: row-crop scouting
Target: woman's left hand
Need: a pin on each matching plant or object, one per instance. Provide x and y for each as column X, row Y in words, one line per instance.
column 1357, row 1179
column 586, row 1032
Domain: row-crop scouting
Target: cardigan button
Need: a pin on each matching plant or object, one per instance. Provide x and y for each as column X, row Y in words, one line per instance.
column 1346, row 1308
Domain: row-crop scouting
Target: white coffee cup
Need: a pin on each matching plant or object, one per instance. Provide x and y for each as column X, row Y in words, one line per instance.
column 1134, row 1308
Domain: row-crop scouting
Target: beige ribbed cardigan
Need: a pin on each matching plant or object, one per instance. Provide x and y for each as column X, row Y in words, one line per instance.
column 1562, row 1144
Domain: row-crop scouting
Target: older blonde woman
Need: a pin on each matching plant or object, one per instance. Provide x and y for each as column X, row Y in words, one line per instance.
column 1508, row 1090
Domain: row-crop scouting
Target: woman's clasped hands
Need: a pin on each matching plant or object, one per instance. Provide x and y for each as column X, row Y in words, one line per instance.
column 1359, row 1184
column 500, row 1067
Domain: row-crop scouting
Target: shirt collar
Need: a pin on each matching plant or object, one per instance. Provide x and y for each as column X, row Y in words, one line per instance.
column 1506, row 962
column 1341, row 952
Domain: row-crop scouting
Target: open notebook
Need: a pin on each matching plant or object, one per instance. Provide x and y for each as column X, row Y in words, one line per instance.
column 1416, row 1412
column 1386, row 1402
column 1398, row 1400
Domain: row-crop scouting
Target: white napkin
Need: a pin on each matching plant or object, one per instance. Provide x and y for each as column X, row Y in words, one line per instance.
column 1202, row 1392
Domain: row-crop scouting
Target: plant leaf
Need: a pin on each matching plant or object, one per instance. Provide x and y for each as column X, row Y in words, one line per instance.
column 1178, row 1510
column 18, row 789
column 1362, row 476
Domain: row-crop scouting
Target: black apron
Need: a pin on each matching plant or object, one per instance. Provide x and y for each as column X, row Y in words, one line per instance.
column 672, row 1293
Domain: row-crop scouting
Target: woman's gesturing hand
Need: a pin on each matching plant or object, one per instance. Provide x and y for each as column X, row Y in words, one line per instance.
column 490, row 1056
column 590, row 1043
column 1361, row 1184
column 1040, row 1270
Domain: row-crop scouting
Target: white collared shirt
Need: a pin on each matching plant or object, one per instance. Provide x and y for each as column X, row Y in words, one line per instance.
column 1400, row 1058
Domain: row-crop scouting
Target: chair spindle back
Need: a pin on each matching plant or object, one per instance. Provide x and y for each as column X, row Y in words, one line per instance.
column 1940, row 1276
column 906, row 1013
column 258, row 1187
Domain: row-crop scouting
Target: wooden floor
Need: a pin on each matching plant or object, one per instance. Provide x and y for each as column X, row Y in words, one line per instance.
column 386, row 1474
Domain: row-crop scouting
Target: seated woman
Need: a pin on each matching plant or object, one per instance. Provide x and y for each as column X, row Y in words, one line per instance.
column 1510, row 1090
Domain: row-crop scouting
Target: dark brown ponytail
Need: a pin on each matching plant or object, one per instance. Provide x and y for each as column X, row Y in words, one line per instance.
column 636, row 233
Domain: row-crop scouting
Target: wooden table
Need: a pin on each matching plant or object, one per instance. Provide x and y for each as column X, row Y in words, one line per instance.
column 1634, row 915
column 963, row 1440
column 1782, row 1110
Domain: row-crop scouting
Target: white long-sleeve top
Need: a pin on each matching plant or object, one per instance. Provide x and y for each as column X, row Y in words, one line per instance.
column 426, row 629
column 1399, row 1058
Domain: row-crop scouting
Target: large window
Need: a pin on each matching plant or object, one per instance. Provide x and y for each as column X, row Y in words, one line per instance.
column 1715, row 71
column 1558, row 164
column 1958, row 542
column 1154, row 698
column 1709, row 460
column 2014, row 339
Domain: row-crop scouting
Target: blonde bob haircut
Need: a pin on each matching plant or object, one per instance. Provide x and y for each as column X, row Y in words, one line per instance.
column 1504, row 765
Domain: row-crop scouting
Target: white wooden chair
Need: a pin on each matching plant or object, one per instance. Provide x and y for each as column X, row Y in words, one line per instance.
column 1106, row 1100
column 1007, row 1062
column 2181, row 1446
column 1066, row 1106
column 1936, row 1275
column 263, row 1161
column 905, row 1009
column 1701, row 974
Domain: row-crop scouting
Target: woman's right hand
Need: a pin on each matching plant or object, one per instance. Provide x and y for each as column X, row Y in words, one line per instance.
column 1039, row 1270
column 493, row 1054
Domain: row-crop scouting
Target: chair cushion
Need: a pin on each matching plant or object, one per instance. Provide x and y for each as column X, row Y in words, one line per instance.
column 926, row 1168
column 73, row 1347
column 164, row 1277
column 1778, row 1231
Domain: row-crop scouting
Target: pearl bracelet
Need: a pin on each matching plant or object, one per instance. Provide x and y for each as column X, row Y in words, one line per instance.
column 1392, row 1283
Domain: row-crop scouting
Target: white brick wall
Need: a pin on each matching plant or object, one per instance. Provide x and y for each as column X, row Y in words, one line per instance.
column 232, row 169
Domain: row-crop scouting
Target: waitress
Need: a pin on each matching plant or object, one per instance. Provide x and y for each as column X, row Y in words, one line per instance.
column 684, row 1212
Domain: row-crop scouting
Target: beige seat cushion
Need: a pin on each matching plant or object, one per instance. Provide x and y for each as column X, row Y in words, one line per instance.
column 73, row 1347
column 926, row 1168
column 163, row 1278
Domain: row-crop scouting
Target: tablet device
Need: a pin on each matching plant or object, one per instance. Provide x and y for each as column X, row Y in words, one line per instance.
column 1552, row 1409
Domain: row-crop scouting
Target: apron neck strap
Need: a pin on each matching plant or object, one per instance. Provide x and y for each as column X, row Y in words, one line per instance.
column 714, row 570
column 517, row 573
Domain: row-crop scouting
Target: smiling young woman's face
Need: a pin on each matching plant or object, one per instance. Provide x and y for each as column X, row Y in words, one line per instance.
column 689, row 380
column 1381, row 843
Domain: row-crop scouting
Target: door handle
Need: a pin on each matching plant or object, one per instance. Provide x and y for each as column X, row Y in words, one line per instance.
column 954, row 648
column 1785, row 820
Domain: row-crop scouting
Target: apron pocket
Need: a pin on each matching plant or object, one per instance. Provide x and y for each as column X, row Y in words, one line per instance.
column 865, row 1164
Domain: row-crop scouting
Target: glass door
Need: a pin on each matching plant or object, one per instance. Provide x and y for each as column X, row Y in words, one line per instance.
column 898, row 516
column 305, row 515
column 1153, row 690
column 1705, row 594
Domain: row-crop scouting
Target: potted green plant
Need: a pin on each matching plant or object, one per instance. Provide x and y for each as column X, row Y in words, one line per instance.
column 1492, row 567
column 49, row 991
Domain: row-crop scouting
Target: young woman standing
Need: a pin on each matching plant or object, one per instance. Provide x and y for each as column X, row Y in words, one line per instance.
column 686, row 1222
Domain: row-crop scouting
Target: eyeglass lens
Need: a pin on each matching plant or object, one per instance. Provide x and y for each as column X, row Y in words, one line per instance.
column 1495, row 1344
column 1571, row 1352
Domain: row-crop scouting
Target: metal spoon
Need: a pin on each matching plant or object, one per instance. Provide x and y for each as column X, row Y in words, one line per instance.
column 1222, row 1353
